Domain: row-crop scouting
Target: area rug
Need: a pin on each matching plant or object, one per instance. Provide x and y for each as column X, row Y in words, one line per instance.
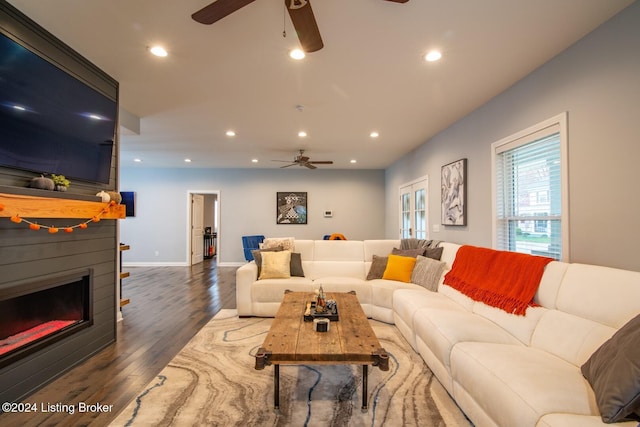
column 212, row 381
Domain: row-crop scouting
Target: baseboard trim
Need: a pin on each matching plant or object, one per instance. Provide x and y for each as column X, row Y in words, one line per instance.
column 154, row 264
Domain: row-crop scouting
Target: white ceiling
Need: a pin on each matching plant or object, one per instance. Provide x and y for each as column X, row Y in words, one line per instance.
column 236, row 74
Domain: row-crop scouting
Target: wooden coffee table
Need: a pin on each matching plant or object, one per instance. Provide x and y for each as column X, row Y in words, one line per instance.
column 349, row 341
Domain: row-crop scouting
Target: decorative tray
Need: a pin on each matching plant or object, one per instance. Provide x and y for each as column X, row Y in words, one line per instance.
column 329, row 314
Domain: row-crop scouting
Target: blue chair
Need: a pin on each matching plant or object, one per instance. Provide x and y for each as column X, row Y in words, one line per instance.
column 251, row 243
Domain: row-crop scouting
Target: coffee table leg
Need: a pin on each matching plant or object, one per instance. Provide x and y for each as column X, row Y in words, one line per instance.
column 276, row 387
column 365, row 394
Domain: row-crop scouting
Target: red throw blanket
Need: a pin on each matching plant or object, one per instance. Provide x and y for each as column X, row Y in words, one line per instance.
column 507, row 280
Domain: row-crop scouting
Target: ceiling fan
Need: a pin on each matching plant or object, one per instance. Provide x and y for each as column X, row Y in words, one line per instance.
column 299, row 10
column 302, row 160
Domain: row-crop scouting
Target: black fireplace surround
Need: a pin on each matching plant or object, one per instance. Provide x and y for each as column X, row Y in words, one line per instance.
column 36, row 314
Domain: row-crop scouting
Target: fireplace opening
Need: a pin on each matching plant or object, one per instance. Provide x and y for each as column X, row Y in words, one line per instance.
column 37, row 314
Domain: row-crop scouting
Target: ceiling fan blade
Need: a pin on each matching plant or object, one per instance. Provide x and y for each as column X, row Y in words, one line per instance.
column 286, row 166
column 218, row 10
column 399, row 1
column 309, row 165
column 305, row 24
column 322, row 162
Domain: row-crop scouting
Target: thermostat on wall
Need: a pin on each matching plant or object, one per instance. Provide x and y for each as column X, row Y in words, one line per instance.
column 328, row 213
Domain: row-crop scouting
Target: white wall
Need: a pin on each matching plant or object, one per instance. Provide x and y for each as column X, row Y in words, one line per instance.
column 597, row 81
column 158, row 234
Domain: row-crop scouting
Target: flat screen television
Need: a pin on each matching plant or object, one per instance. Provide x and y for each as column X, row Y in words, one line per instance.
column 51, row 122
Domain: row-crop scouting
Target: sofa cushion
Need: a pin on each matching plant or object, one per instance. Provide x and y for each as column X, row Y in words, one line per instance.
column 272, row 290
column 399, row 268
column 521, row 327
column 275, row 265
column 379, row 247
column 606, row 295
column 406, row 301
column 517, row 385
column 442, row 329
column 614, row 373
column 378, row 265
column 427, row 272
column 569, row 337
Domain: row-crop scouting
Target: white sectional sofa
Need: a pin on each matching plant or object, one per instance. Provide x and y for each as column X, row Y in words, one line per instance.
column 502, row 369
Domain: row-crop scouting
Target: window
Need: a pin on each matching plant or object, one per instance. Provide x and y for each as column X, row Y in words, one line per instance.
column 530, row 190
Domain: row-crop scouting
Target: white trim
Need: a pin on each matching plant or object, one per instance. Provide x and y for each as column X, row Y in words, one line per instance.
column 527, row 135
column 156, row 264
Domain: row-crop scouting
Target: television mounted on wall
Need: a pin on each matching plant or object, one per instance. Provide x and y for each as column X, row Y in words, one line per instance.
column 50, row 121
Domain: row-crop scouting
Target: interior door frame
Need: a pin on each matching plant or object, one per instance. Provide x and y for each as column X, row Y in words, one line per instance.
column 189, row 222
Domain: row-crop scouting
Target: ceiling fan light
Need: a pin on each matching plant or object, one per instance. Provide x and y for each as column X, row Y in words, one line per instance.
column 297, row 54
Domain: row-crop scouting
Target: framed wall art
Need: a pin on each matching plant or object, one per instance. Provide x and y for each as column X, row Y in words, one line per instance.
column 453, row 194
column 291, row 207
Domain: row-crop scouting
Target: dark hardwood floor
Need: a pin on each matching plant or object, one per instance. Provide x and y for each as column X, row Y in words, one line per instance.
column 169, row 305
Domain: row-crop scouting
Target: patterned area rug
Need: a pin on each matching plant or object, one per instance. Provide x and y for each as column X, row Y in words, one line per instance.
column 212, row 381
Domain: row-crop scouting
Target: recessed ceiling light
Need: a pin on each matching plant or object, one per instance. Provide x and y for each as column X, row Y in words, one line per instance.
column 137, row 160
column 297, row 54
column 231, row 133
column 374, row 134
column 302, row 134
column 353, row 161
column 187, row 160
column 432, row 56
column 158, row 51
column 254, row 160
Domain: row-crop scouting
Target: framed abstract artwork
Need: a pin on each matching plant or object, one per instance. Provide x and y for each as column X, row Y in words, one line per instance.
column 291, row 207
column 453, row 193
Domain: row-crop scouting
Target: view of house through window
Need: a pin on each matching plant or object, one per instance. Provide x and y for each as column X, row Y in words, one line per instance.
column 530, row 190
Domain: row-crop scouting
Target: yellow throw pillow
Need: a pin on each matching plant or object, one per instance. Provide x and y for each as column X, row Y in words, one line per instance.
column 275, row 265
column 399, row 268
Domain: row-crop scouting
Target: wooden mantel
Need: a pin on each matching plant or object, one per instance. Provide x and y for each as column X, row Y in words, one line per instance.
column 46, row 207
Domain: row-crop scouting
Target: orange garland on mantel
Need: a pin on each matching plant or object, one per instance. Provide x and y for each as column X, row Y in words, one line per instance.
column 45, row 207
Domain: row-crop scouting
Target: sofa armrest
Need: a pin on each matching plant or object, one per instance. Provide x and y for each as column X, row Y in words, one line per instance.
column 245, row 276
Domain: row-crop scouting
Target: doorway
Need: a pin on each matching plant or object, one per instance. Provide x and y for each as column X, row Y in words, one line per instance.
column 413, row 209
column 204, row 225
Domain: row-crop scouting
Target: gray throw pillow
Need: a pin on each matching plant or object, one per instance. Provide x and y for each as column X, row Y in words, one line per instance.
column 434, row 253
column 378, row 265
column 427, row 273
column 296, row 265
column 613, row 371
column 408, row 252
